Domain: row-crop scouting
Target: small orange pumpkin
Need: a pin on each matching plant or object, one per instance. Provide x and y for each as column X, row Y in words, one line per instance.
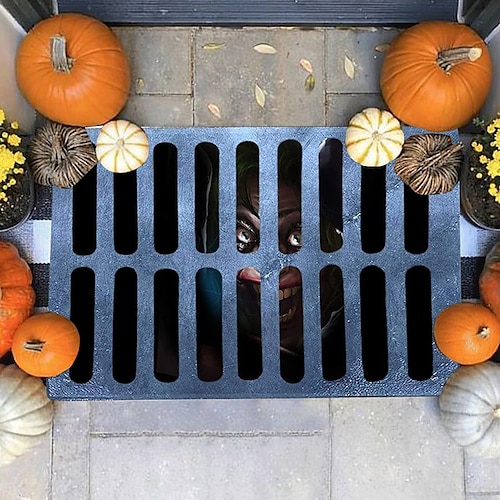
column 46, row 344
column 467, row 333
column 17, row 296
column 73, row 69
column 436, row 75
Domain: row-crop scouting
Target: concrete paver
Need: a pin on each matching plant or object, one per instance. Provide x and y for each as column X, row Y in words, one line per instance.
column 222, row 468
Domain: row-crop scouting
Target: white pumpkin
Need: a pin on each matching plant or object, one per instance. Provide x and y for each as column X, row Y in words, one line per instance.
column 26, row 413
column 374, row 137
column 122, row 146
column 470, row 408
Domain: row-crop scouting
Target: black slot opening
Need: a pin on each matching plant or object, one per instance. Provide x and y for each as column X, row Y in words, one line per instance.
column 125, row 325
column 209, row 324
column 330, row 195
column 247, row 207
column 289, row 197
column 125, row 212
column 82, row 314
column 419, row 322
column 207, row 197
column 291, row 325
column 373, row 323
column 333, row 343
column 166, row 325
column 85, row 214
column 372, row 209
column 166, row 231
column 416, row 221
column 249, row 324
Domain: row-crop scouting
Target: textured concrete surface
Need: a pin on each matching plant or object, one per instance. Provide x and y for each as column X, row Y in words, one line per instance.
column 340, row 449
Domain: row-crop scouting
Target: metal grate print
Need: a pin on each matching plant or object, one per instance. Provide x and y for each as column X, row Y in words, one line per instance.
column 252, row 263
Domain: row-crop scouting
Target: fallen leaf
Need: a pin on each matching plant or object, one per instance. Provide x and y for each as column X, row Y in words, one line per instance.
column 264, row 48
column 349, row 67
column 213, row 46
column 310, row 82
column 214, row 109
column 382, row 47
column 260, row 97
column 140, row 84
column 306, row 65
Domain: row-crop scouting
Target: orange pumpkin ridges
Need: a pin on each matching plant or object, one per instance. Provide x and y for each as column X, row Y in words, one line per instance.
column 489, row 280
column 467, row 333
column 17, row 296
column 73, row 70
column 46, row 344
column 436, row 75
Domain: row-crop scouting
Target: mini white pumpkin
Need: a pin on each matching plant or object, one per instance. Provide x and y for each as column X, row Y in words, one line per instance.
column 374, row 137
column 122, row 146
column 26, row 413
column 470, row 408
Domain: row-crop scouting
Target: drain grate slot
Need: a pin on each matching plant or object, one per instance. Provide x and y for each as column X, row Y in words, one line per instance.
column 168, row 306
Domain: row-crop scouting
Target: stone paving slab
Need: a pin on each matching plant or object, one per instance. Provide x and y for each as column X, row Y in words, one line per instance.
column 393, row 448
column 226, row 76
column 222, row 468
column 29, row 476
column 278, row 416
column 341, row 107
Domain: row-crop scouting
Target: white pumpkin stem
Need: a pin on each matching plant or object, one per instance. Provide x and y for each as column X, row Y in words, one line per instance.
column 450, row 57
column 34, row 345
column 60, row 60
column 496, row 412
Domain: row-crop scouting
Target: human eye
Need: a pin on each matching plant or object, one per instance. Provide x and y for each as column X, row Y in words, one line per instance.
column 247, row 238
column 294, row 238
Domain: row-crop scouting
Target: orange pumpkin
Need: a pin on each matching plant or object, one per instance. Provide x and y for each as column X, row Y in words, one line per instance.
column 436, row 75
column 46, row 344
column 467, row 333
column 72, row 69
column 17, row 296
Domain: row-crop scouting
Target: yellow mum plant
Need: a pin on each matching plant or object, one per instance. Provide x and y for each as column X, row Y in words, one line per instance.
column 481, row 179
column 12, row 156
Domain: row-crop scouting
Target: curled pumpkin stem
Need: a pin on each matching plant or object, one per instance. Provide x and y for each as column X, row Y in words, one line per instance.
column 483, row 332
column 59, row 58
column 448, row 58
column 34, row 345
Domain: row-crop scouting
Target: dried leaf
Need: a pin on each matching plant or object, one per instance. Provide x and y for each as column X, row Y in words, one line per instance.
column 264, row 48
column 382, row 47
column 214, row 109
column 306, row 65
column 260, row 97
column 349, row 67
column 140, row 84
column 213, row 46
column 310, row 82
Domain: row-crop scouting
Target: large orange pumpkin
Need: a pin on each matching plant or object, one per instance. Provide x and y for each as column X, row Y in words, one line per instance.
column 73, row 70
column 467, row 332
column 436, row 75
column 17, row 296
column 46, row 344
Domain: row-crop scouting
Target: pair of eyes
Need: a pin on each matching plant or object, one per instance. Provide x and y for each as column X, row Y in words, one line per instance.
column 247, row 237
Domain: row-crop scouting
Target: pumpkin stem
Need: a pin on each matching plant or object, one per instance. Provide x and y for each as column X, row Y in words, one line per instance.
column 34, row 345
column 446, row 59
column 60, row 60
column 496, row 412
column 483, row 332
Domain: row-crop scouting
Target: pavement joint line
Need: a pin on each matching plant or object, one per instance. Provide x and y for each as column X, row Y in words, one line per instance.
column 201, row 434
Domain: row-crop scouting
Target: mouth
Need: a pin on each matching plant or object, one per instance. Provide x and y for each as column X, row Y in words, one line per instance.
column 289, row 299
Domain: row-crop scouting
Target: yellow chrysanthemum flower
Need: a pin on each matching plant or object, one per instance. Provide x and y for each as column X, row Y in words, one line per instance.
column 493, row 168
column 2, row 116
column 14, row 140
column 478, row 148
column 483, row 159
column 19, row 158
column 14, row 125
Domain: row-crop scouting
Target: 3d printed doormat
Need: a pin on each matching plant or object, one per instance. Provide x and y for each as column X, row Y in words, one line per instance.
column 213, row 273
